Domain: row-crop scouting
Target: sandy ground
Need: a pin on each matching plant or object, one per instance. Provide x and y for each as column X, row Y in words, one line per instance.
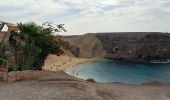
column 63, row 62
column 61, row 86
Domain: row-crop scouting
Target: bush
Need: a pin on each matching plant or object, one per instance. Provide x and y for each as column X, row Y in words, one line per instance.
column 39, row 42
column 91, row 80
column 2, row 56
column 14, row 68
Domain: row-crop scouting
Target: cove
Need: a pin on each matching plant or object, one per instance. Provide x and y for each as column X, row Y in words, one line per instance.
column 117, row 71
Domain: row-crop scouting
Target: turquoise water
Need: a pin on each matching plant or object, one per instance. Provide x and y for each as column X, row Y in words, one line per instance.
column 123, row 72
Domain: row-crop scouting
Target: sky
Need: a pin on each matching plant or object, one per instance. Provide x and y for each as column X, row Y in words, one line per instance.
column 91, row 16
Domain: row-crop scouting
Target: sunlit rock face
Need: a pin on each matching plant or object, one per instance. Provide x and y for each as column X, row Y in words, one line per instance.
column 132, row 46
column 89, row 45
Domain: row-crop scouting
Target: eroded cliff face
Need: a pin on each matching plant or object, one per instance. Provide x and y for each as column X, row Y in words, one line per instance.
column 123, row 45
column 89, row 45
column 154, row 46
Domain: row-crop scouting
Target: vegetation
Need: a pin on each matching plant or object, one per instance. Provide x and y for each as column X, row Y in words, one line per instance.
column 38, row 43
column 2, row 56
column 91, row 80
column 2, row 53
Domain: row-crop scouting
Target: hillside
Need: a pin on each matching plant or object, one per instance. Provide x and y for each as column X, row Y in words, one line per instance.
column 88, row 44
column 122, row 45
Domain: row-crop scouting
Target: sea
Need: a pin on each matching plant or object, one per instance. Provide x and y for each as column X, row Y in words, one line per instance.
column 113, row 71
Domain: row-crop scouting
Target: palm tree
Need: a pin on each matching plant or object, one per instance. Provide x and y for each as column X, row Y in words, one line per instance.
column 38, row 43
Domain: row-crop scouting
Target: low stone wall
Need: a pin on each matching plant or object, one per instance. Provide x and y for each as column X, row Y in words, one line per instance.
column 21, row 75
column 2, row 76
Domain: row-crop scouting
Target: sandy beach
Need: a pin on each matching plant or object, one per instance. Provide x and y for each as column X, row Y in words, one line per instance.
column 63, row 62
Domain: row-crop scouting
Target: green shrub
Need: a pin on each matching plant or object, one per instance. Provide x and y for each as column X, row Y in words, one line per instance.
column 2, row 56
column 91, row 80
column 14, row 68
column 39, row 42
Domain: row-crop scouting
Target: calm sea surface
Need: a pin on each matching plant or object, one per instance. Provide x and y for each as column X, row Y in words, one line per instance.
column 116, row 71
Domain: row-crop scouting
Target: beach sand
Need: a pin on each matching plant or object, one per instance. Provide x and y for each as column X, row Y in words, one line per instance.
column 62, row 62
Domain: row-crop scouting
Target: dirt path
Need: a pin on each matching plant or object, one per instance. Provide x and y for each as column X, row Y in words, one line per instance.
column 60, row 86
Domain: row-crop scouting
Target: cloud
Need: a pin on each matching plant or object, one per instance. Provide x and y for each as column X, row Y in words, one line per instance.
column 95, row 15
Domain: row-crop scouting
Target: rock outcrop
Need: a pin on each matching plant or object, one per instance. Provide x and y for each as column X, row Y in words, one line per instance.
column 133, row 46
column 89, row 45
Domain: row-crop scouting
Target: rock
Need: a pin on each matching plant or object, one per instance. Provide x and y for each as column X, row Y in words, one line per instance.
column 132, row 46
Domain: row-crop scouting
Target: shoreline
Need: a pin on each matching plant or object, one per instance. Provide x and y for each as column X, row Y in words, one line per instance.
column 64, row 62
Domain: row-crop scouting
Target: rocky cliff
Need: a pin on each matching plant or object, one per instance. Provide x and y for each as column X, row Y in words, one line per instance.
column 133, row 46
column 89, row 45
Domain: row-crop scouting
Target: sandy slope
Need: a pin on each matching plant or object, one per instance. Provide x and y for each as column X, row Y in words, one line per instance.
column 58, row 63
column 60, row 86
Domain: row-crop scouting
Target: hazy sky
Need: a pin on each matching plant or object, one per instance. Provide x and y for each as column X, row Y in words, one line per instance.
column 82, row 16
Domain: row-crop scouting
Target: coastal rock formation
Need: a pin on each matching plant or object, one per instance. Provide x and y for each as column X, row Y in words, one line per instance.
column 88, row 45
column 155, row 46
column 132, row 46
